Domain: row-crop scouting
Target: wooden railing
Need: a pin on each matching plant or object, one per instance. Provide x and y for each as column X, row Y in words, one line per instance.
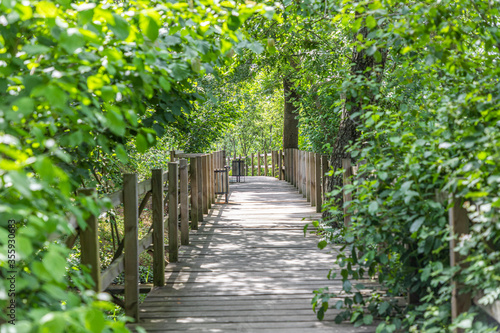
column 306, row 171
column 197, row 176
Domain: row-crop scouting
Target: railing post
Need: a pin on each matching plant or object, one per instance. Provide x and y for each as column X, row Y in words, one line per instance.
column 183, row 170
column 312, row 172
column 201, row 183
column 251, row 162
column 273, row 170
column 131, row 245
column 193, row 171
column 266, row 170
column 89, row 241
column 212, row 177
column 280, row 165
column 173, row 214
column 158, row 228
column 307, row 175
column 206, row 204
column 346, row 165
column 317, row 177
column 301, row 174
column 459, row 225
column 295, row 156
column 258, row 163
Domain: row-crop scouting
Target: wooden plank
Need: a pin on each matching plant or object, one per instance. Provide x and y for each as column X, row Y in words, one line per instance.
column 144, row 186
column 118, row 266
column 206, row 204
column 184, row 201
column 258, row 164
column 459, row 225
column 312, row 179
column 273, row 162
column 251, row 162
column 158, row 228
column 89, row 241
column 212, row 178
column 173, row 214
column 307, row 176
column 214, row 284
column 116, row 199
column 194, row 192
column 317, row 177
column 266, row 168
column 346, row 165
column 200, row 188
column 280, row 165
column 131, row 244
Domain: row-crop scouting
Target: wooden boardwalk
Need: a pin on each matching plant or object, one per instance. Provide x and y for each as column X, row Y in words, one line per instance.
column 249, row 268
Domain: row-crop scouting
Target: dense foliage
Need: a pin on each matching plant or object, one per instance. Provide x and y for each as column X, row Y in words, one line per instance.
column 78, row 82
column 433, row 128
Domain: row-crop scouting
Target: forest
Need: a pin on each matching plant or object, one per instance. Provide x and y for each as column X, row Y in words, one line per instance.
column 407, row 90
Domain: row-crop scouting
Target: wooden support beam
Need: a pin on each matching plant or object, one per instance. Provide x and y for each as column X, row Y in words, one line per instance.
column 212, row 177
column 193, row 170
column 183, row 170
column 199, row 168
column 204, row 167
column 307, row 176
column 131, row 247
column 258, row 163
column 273, row 164
column 312, row 179
column 346, row 165
column 173, row 214
column 266, row 169
column 158, row 228
column 251, row 162
column 280, row 165
column 89, row 242
column 459, row 225
column 318, row 177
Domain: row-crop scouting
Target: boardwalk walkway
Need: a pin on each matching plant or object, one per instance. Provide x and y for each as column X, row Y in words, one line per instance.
column 248, row 269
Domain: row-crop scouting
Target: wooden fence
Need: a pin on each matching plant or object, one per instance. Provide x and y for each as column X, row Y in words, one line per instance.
column 191, row 193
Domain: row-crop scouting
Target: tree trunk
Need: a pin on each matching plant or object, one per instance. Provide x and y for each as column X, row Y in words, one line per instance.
column 290, row 123
column 348, row 133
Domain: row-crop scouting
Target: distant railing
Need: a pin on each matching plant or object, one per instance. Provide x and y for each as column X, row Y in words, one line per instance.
column 197, row 176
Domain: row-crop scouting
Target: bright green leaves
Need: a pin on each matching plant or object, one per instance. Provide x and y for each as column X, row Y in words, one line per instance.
column 46, row 9
column 233, row 22
column 370, row 22
column 150, row 25
column 120, row 27
column 114, row 120
column 71, row 40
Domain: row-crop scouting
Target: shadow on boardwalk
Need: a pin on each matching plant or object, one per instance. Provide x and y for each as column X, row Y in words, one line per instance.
column 248, row 269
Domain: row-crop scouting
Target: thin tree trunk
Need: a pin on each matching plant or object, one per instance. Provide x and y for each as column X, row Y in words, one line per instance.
column 290, row 122
column 348, row 134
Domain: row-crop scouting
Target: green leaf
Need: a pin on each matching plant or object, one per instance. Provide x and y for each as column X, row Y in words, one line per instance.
column 149, row 27
column 367, row 319
column 233, row 23
column 322, row 244
column 120, row 28
column 371, row 22
column 71, row 42
column 141, row 143
column 94, row 320
column 417, row 224
column 115, row 121
column 347, row 285
column 55, row 264
column 373, row 208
